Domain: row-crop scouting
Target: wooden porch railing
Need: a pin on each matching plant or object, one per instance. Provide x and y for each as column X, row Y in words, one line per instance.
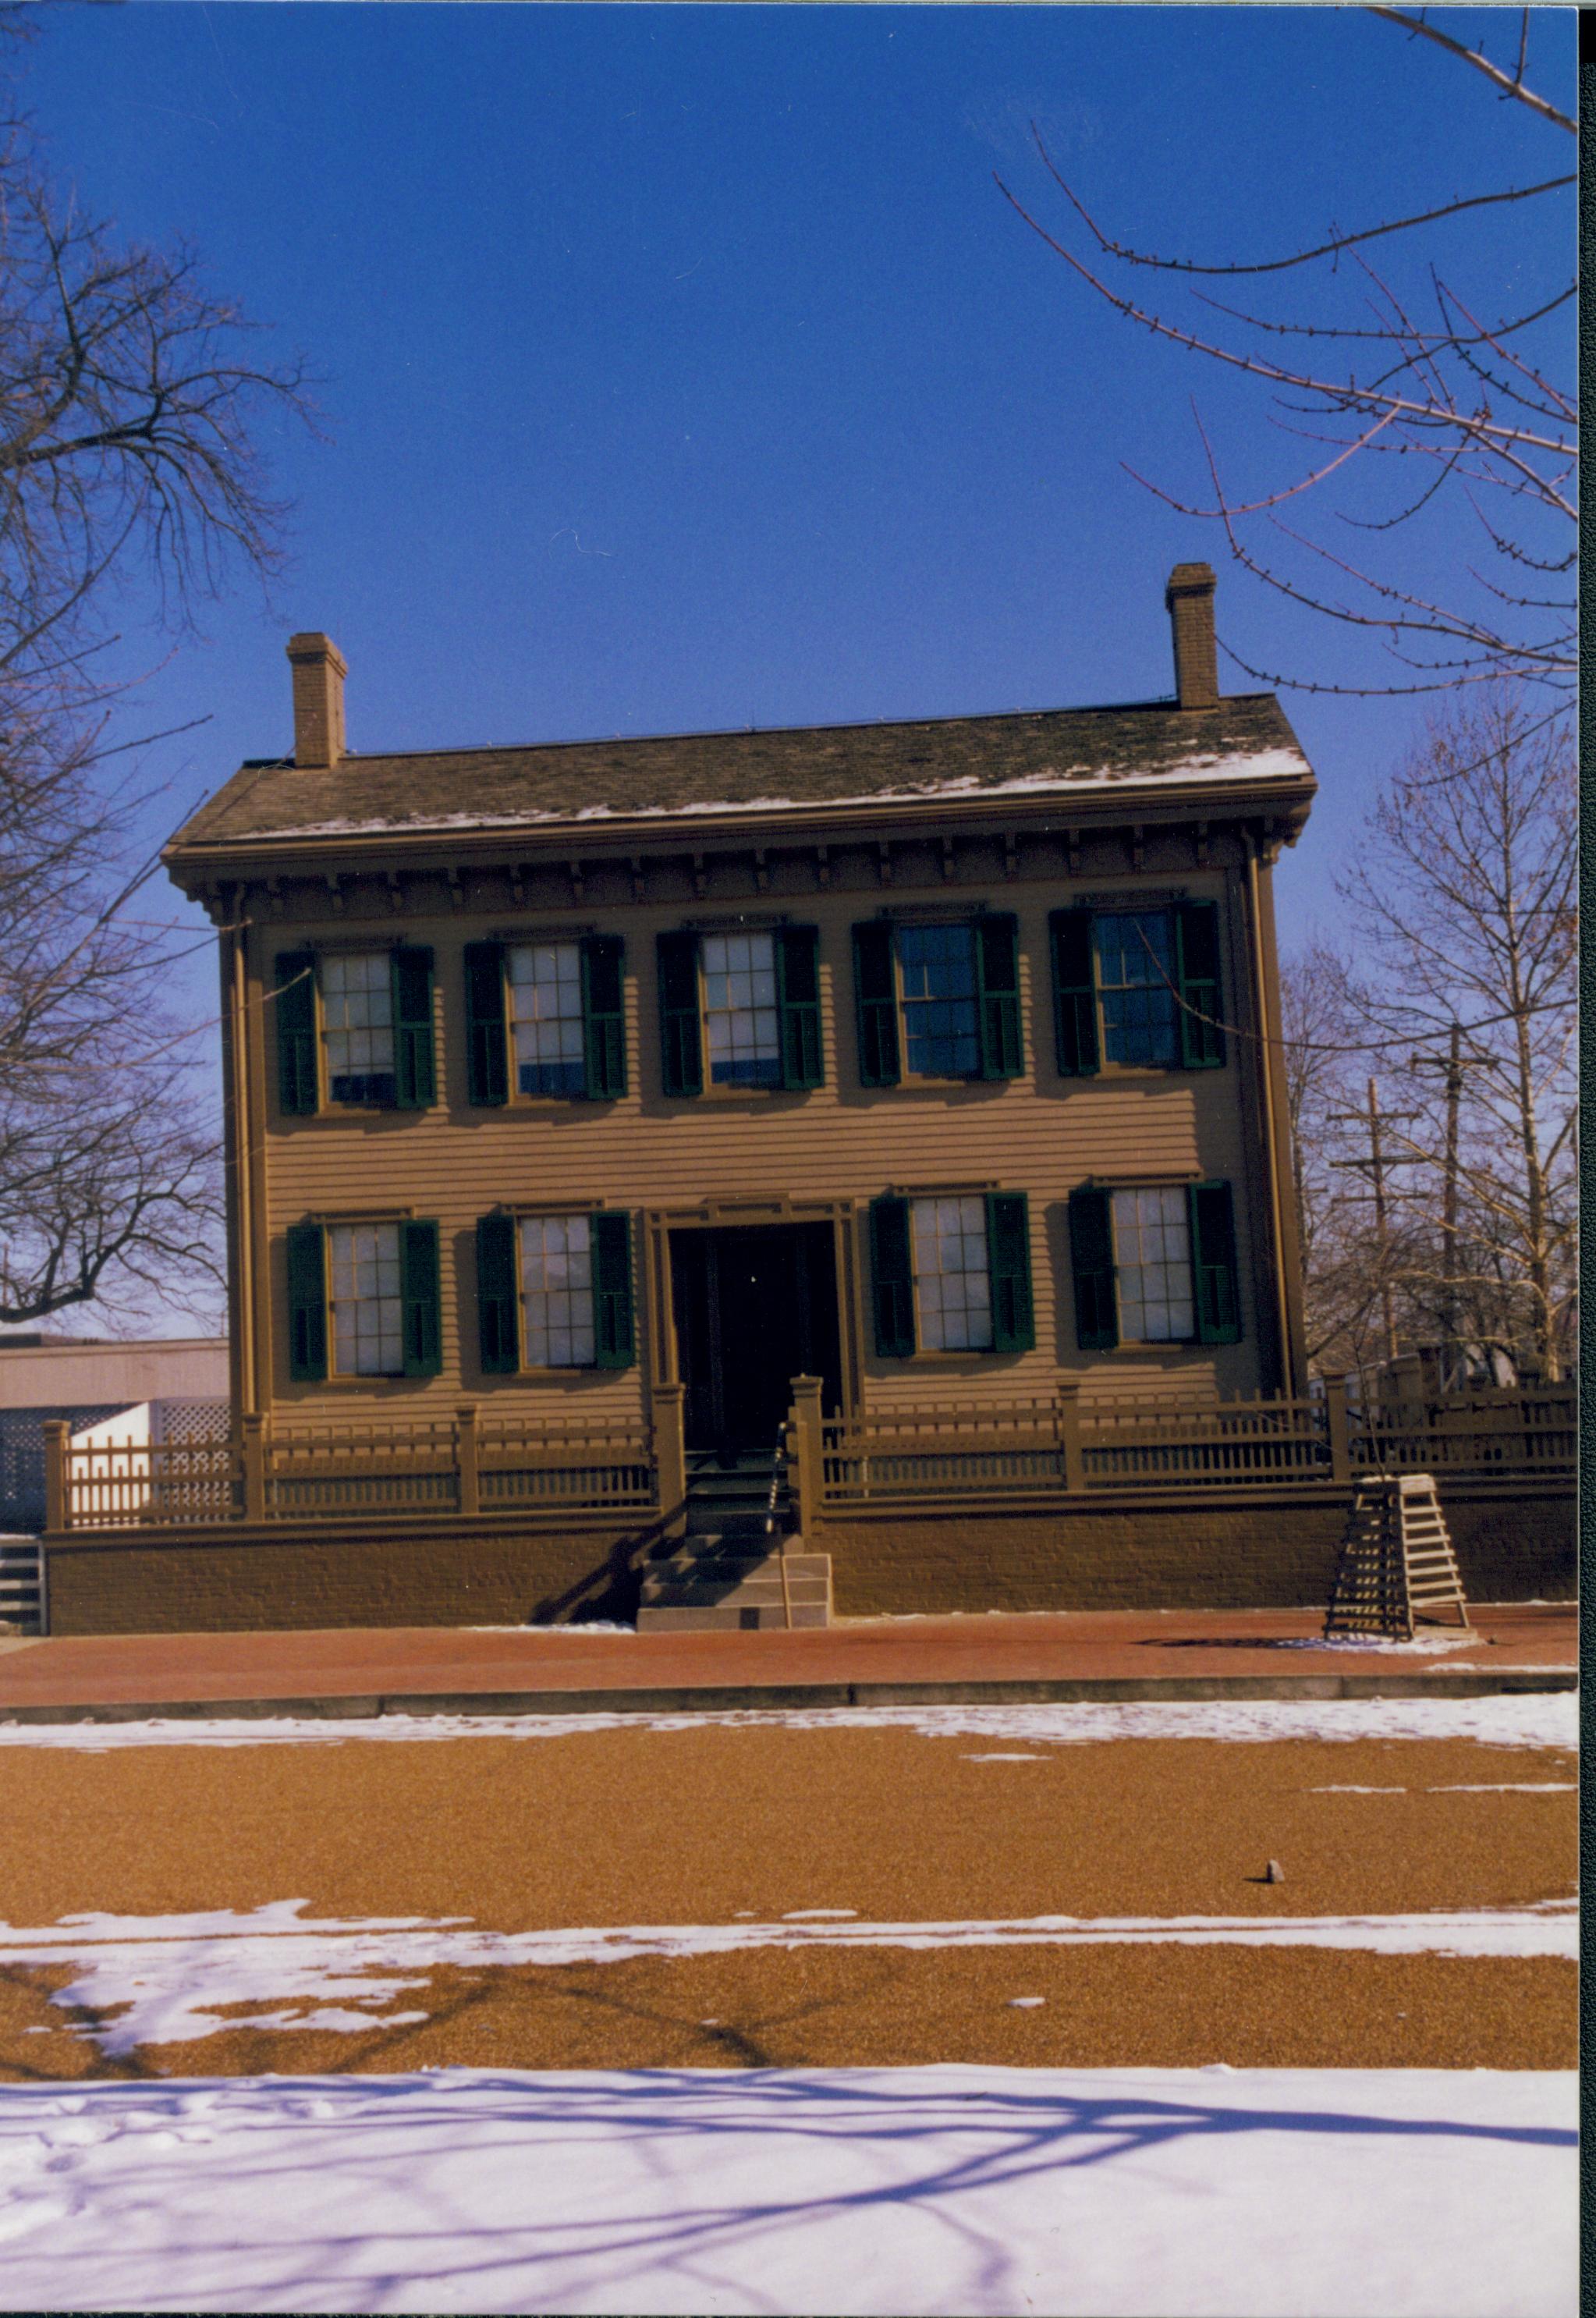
column 306, row 1471
column 949, row 1454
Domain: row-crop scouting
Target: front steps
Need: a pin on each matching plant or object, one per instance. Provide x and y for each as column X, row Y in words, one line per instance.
column 731, row 1583
column 21, row 1586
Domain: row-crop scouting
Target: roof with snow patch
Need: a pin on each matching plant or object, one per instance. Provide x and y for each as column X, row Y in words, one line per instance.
column 1148, row 744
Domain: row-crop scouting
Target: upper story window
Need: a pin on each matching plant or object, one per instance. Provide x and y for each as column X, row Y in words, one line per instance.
column 937, row 992
column 1154, row 1264
column 357, row 1027
column 547, row 1018
column 1137, row 988
column 951, row 1272
column 363, row 1300
column 745, row 1003
column 354, row 1028
column 556, row 1008
column 741, row 1012
column 938, row 1001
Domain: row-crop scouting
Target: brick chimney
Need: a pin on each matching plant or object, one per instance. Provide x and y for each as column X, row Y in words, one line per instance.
column 1188, row 600
column 318, row 673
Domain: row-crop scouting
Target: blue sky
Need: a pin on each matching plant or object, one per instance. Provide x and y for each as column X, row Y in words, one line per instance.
column 684, row 367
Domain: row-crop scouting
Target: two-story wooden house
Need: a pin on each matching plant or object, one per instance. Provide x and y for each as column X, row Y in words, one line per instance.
column 569, row 1084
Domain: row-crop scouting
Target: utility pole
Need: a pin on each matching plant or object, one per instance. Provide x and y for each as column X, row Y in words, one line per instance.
column 1377, row 1166
column 1453, row 1062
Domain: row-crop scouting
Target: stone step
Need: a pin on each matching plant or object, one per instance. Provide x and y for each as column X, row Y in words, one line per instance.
column 727, row 1617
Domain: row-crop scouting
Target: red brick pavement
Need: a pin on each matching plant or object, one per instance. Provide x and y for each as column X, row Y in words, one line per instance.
column 1108, row 1646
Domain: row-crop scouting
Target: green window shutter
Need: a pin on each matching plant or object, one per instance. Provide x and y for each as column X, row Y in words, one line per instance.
column 498, row 1330
column 1074, row 993
column 1091, row 1260
column 1214, row 1264
column 487, row 1055
column 1008, row 1271
column 875, row 995
column 997, row 983
column 307, row 1303
column 1196, row 972
column 295, row 1007
column 891, row 1278
column 420, row 1300
column 614, row 1337
column 415, row 1078
column 798, row 994
column 603, row 1023
column 681, row 1046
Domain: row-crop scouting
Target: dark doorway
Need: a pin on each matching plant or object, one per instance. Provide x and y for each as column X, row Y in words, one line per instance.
column 754, row 1306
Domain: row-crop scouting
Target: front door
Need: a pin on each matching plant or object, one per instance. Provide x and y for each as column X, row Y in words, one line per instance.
column 754, row 1306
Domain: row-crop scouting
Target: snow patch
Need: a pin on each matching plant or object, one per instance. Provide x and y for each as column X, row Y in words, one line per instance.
column 1537, row 1718
column 1115, row 2193
column 162, row 1980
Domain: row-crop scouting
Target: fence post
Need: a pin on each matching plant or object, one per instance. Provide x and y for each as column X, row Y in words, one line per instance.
column 468, row 1494
column 1069, row 1435
column 808, row 1458
column 671, row 1456
column 1339, row 1427
column 255, row 1468
column 56, row 1511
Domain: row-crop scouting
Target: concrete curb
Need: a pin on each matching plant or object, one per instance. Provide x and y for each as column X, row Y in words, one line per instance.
column 721, row 1698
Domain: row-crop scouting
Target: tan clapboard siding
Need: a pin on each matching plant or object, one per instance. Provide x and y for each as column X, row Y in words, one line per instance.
column 1038, row 1134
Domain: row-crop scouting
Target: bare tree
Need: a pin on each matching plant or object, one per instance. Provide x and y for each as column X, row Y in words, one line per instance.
column 1395, row 374
column 131, row 406
column 1465, row 898
column 107, row 1171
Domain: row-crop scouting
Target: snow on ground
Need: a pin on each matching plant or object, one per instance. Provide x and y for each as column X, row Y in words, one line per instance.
column 165, row 1976
column 1252, row 2194
column 1539, row 1719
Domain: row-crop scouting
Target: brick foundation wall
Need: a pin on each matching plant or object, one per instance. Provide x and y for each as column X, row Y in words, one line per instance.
column 1515, row 1542
column 401, row 1576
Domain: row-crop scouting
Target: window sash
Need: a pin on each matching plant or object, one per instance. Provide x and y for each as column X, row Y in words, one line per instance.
column 741, row 1010
column 1134, row 966
column 365, row 1299
column 357, row 1026
column 1153, row 1265
column 558, row 1324
column 952, row 1273
column 547, row 1016
column 938, row 999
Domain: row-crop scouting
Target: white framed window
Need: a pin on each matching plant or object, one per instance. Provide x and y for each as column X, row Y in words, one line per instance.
column 1134, row 955
column 357, row 1026
column 544, row 984
column 936, row 984
column 741, row 1017
column 557, row 1329
column 952, row 1279
column 1153, row 1266
column 367, row 1308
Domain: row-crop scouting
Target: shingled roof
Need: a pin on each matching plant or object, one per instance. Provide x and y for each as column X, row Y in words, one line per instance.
column 1150, row 744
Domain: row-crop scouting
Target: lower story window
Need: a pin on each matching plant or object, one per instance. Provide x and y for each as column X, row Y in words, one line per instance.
column 557, row 1291
column 952, row 1278
column 367, row 1306
column 1152, row 1260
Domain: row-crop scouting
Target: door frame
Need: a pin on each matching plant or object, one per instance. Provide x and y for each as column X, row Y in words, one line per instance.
column 715, row 1214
